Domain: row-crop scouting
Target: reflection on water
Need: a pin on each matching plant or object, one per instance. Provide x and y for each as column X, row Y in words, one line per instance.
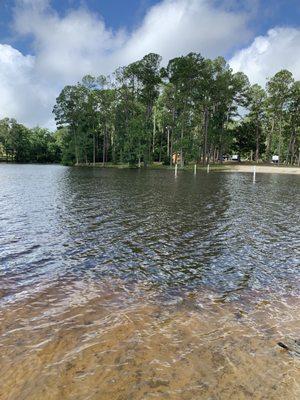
column 133, row 285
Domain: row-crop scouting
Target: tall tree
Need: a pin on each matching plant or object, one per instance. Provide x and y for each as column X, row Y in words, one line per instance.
column 278, row 89
column 256, row 106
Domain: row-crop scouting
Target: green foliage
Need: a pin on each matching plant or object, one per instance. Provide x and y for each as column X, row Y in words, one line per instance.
column 20, row 144
column 194, row 109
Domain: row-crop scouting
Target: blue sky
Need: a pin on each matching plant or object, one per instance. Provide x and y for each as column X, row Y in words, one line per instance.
column 128, row 14
column 116, row 14
column 46, row 44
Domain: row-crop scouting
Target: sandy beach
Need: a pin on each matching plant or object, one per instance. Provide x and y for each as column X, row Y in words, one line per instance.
column 263, row 169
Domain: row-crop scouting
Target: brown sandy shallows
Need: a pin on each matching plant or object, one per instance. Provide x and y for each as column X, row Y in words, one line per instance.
column 260, row 169
column 114, row 346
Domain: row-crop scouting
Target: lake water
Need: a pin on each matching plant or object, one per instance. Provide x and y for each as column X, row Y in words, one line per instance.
column 131, row 284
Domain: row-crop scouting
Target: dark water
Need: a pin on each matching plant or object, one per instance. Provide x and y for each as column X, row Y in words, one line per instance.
column 92, row 245
column 218, row 229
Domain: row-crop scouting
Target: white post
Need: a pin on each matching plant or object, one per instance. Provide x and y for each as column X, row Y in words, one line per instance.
column 195, row 169
column 176, row 170
column 207, row 168
column 254, row 173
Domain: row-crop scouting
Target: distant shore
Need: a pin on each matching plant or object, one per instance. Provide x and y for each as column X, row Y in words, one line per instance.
column 226, row 167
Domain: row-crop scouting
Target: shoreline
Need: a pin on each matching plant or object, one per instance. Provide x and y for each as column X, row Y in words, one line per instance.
column 232, row 168
column 244, row 168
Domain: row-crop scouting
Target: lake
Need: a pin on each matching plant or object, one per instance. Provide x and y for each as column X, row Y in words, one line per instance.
column 131, row 284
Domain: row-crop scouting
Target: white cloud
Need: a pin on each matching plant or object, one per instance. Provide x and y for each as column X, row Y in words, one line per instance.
column 70, row 46
column 21, row 95
column 176, row 27
column 279, row 49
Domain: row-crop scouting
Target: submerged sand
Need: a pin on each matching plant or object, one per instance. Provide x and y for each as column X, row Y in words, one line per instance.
column 101, row 345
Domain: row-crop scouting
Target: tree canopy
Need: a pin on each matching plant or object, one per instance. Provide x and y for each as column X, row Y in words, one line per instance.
column 194, row 109
column 20, row 144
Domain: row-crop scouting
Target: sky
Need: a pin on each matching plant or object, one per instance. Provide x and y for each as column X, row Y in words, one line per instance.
column 46, row 44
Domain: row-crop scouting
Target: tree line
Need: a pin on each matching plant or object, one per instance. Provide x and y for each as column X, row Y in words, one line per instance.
column 21, row 144
column 192, row 110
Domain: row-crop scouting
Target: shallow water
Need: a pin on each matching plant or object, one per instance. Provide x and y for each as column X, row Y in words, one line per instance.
column 127, row 284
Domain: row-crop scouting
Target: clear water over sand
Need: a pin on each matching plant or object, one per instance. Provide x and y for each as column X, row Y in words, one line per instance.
column 130, row 284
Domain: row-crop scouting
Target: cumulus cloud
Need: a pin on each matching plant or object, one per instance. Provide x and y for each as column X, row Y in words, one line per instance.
column 278, row 49
column 175, row 27
column 21, row 95
column 67, row 47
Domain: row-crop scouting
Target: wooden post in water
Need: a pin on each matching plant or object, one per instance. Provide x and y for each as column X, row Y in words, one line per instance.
column 176, row 167
column 195, row 169
column 208, row 168
column 254, row 173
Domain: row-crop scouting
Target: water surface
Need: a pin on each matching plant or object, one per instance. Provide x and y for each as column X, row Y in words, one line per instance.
column 131, row 284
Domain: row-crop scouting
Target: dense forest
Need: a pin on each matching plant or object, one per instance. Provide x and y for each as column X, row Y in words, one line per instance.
column 21, row 144
column 193, row 110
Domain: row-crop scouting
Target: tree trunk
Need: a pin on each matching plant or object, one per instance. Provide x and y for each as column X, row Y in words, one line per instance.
column 205, row 136
column 279, row 139
column 221, row 142
column 104, row 147
column 172, row 138
column 293, row 156
column 107, row 145
column 154, row 132
column 148, row 154
column 168, row 141
column 113, row 151
column 214, row 154
column 181, row 149
column 171, row 150
column 289, row 150
column 217, row 155
column 97, row 146
column 269, row 140
column 94, row 149
column 257, row 143
column 160, row 149
column 76, row 147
